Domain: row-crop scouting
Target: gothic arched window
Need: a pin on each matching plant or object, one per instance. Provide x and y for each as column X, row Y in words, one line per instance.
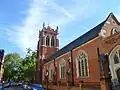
column 116, row 57
column 52, row 41
column 79, row 68
column 47, row 41
column 86, row 67
column 62, row 69
column 82, row 64
column 41, row 40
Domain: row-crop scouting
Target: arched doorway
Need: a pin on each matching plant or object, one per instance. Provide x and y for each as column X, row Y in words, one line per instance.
column 118, row 74
column 114, row 64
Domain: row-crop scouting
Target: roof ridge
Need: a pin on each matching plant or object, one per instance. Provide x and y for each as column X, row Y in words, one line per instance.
column 111, row 14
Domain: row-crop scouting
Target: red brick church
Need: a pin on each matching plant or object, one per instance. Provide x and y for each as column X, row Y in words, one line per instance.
column 91, row 59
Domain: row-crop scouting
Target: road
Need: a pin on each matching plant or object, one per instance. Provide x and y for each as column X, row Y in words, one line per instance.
column 14, row 88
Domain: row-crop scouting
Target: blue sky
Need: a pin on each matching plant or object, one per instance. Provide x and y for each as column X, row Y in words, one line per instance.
column 20, row 20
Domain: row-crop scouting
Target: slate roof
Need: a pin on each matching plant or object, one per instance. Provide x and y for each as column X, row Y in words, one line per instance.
column 111, row 14
column 78, row 42
column 82, row 39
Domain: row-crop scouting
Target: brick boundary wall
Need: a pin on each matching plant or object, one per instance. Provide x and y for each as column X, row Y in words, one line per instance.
column 86, row 86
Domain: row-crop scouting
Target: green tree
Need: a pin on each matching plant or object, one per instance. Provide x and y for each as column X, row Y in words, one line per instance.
column 28, row 66
column 16, row 68
column 11, row 66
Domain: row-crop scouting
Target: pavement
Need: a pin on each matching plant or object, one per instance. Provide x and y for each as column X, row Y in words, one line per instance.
column 14, row 88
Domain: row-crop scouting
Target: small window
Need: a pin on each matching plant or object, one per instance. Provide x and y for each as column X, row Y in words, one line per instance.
column 52, row 41
column 117, row 57
column 114, row 22
column 47, row 41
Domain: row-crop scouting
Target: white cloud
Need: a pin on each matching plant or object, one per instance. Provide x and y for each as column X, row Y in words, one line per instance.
column 26, row 34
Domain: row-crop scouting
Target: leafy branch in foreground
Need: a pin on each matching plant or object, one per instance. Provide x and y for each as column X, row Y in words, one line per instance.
column 17, row 68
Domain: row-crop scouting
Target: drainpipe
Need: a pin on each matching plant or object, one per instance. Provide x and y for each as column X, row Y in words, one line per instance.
column 98, row 53
column 55, row 73
column 41, row 63
column 72, row 68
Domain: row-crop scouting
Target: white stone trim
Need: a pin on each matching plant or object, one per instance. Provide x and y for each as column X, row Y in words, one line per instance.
column 62, row 55
column 61, row 64
column 49, row 62
column 43, row 73
column 86, row 43
column 51, row 67
column 102, row 33
column 50, row 41
column 107, row 22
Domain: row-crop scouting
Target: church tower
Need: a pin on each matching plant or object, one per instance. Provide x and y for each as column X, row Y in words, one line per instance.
column 48, row 43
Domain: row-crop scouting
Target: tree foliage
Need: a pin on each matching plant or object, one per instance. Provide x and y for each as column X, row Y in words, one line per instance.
column 28, row 65
column 17, row 68
column 11, row 65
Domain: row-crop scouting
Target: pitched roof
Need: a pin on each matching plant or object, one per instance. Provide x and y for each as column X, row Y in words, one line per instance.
column 82, row 39
column 112, row 15
column 79, row 41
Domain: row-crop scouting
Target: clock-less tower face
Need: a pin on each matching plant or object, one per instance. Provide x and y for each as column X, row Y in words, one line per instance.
column 48, row 44
column 48, row 41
